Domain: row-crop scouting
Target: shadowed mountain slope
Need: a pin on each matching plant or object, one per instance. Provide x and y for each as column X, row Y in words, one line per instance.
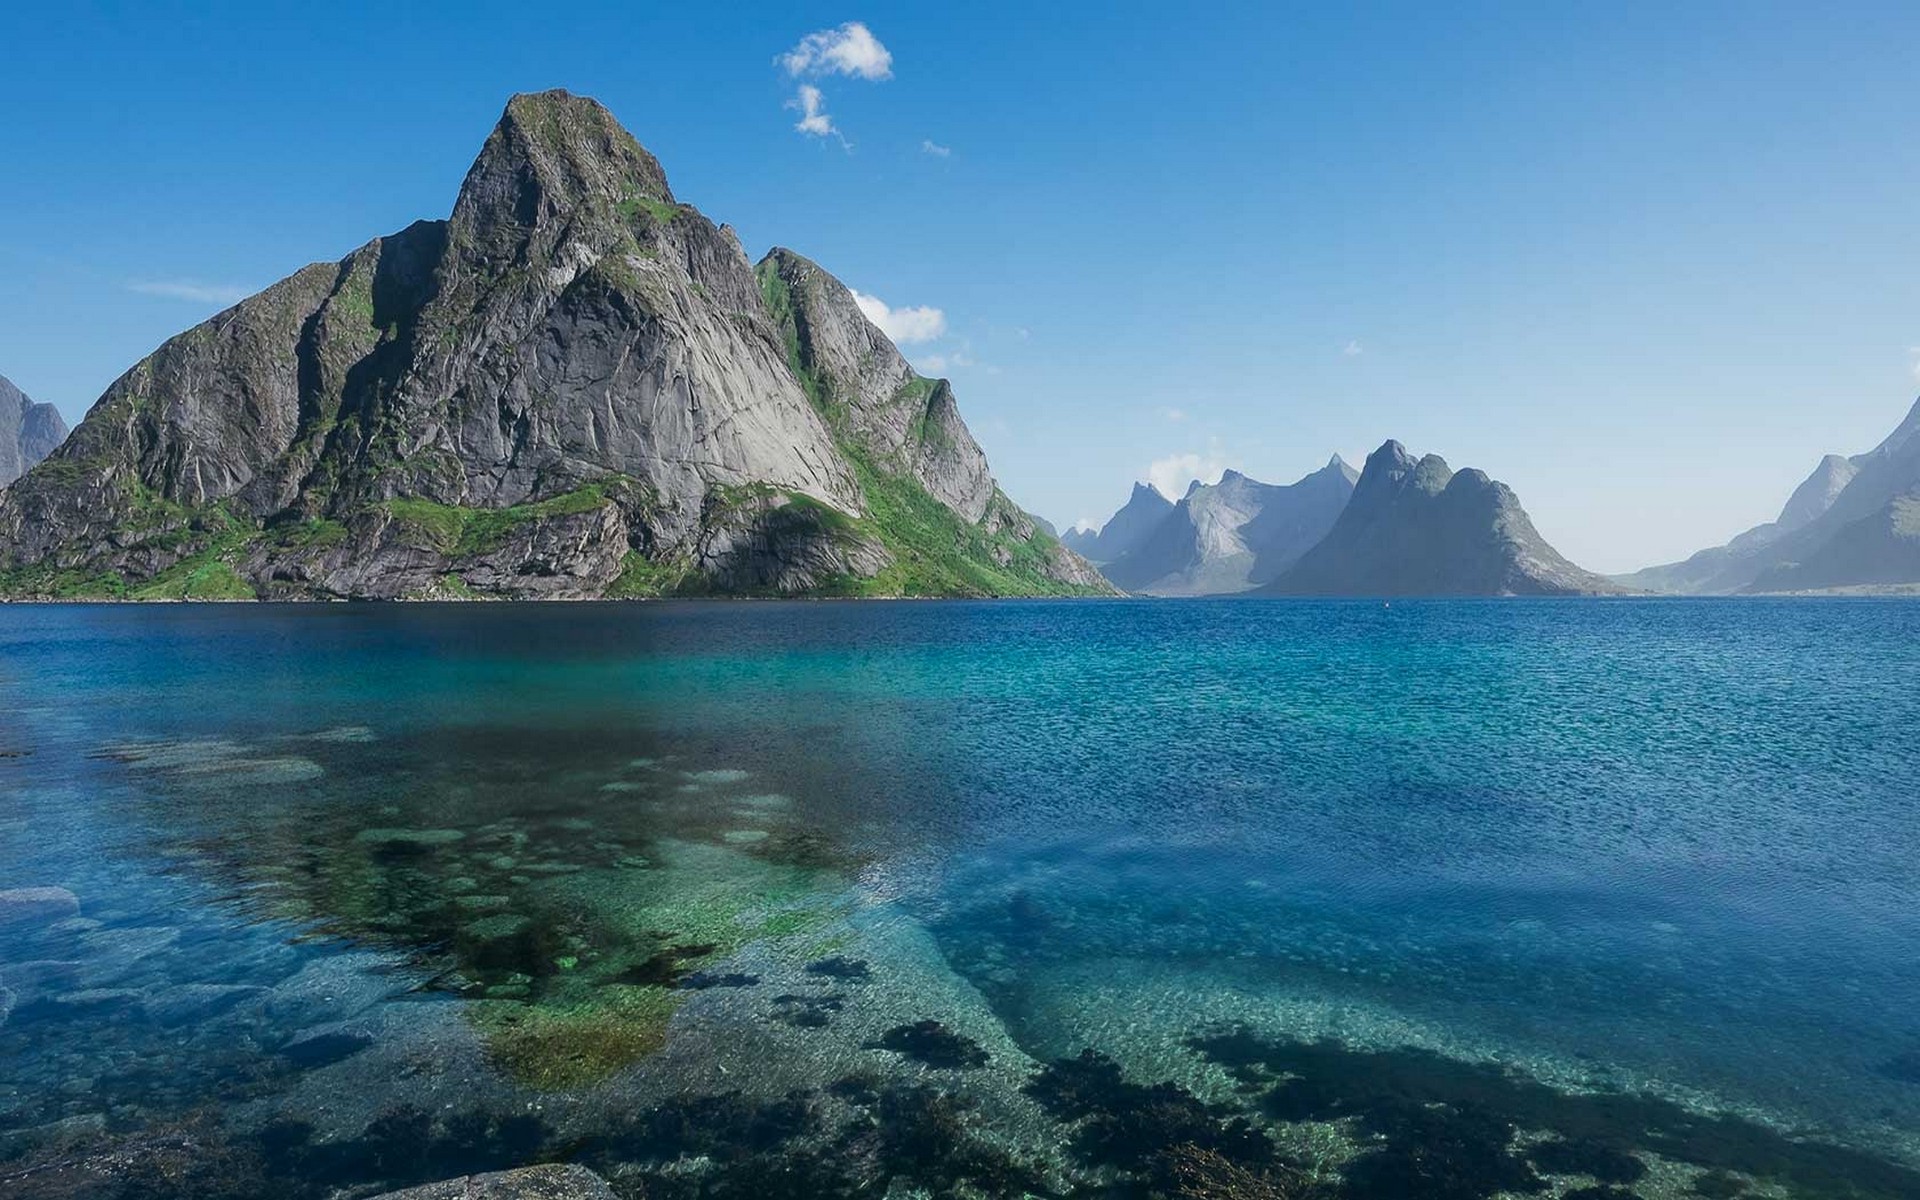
column 1418, row 528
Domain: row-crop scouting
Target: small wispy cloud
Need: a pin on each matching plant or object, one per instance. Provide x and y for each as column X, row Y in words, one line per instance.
column 1176, row 415
column 936, row 364
column 850, row 50
column 192, row 290
column 905, row 326
column 1353, row 349
column 929, row 146
column 1085, row 525
column 1913, row 355
column 1173, row 475
column 812, row 107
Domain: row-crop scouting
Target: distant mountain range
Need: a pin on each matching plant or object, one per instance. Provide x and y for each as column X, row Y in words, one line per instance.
column 1853, row 524
column 28, row 432
column 1230, row 536
column 1400, row 527
column 574, row 386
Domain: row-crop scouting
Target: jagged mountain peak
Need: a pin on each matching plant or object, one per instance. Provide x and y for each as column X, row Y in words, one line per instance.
column 573, row 386
column 551, row 154
column 1907, row 431
column 1225, row 537
column 1417, row 527
column 1391, row 468
column 28, row 431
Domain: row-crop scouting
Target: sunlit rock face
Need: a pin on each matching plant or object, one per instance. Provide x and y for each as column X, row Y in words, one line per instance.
column 573, row 386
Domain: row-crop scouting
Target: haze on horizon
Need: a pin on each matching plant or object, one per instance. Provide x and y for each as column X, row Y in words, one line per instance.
column 1646, row 267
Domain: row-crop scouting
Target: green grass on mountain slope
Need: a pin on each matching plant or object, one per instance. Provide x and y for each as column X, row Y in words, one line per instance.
column 935, row 552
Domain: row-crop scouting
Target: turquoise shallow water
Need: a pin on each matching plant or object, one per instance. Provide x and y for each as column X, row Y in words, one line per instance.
column 1446, row 899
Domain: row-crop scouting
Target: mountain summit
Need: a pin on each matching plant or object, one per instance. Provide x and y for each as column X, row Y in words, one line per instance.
column 1416, row 527
column 28, row 432
column 574, row 386
column 1125, row 529
column 1234, row 535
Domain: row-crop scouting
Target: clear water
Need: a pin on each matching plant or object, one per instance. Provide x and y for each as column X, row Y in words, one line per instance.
column 1447, row 899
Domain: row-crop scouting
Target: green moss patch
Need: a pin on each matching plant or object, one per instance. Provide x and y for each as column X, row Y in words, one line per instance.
column 463, row 531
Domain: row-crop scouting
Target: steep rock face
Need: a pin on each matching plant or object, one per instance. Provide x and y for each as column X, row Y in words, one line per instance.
column 933, row 502
column 28, row 432
column 901, row 421
column 1235, row 535
column 1841, row 528
column 1816, row 495
column 1418, row 528
column 572, row 387
column 1133, row 523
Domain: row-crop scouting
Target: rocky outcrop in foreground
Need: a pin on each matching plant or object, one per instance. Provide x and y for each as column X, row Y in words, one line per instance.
column 554, row 1182
column 575, row 386
column 1853, row 524
column 28, row 432
column 1419, row 528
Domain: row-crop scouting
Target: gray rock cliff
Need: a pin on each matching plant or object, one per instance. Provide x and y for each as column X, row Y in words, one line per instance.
column 28, row 432
column 572, row 387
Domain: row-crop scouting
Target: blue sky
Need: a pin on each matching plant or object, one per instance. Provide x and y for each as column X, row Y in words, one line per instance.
column 1644, row 265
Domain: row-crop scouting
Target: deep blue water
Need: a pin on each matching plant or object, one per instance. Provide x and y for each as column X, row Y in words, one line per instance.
column 338, row 863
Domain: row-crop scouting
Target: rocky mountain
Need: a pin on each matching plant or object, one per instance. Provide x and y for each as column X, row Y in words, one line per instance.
column 1234, row 535
column 1135, row 520
column 28, row 431
column 1851, row 524
column 1418, row 528
column 574, row 386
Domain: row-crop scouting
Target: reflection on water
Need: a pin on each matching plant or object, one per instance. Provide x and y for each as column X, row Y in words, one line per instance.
column 1249, row 900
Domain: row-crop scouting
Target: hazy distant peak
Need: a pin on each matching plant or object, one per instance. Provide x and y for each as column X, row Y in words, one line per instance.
column 1896, row 441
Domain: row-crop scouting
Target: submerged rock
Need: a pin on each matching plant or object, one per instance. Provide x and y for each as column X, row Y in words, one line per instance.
column 190, row 1002
column 36, row 906
column 934, row 1044
column 555, row 1181
column 326, row 1044
column 405, row 840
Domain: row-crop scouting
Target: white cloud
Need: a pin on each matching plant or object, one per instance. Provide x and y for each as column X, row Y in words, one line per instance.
column 222, row 294
column 812, row 107
column 936, row 364
column 1176, row 415
column 850, row 50
column 928, row 146
column 1353, row 349
column 905, row 326
column 1914, row 366
column 1085, row 525
column 1171, row 476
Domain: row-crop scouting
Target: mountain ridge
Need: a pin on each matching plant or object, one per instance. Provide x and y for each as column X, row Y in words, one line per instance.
column 1416, row 527
column 1233, row 535
column 1848, row 524
column 29, row 431
column 572, row 386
